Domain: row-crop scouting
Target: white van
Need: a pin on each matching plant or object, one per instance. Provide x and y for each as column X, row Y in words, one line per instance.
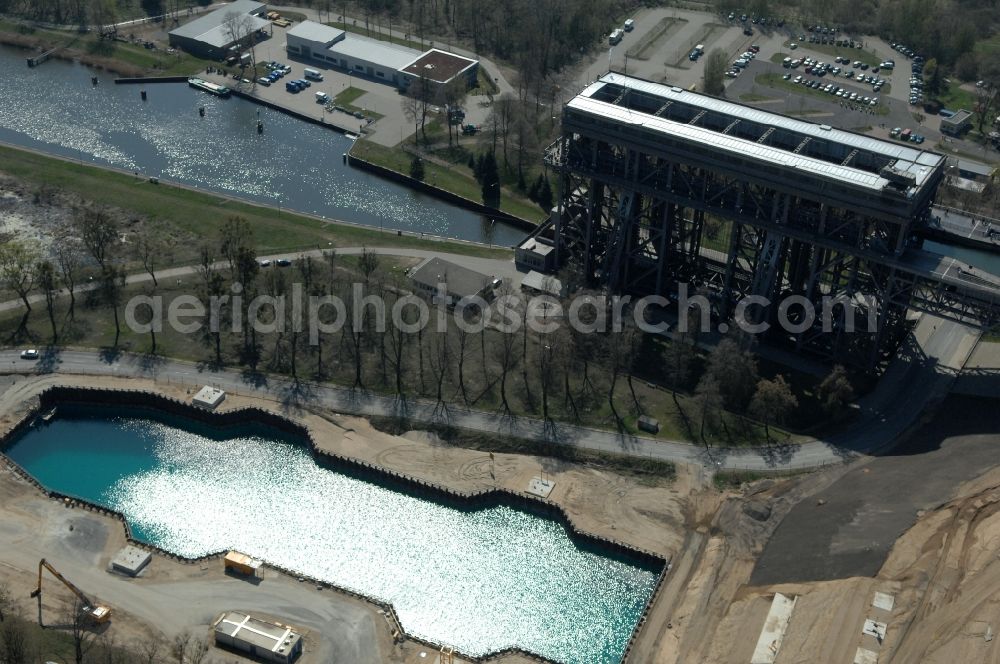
column 616, row 37
column 322, row 98
column 629, row 25
column 700, row 48
column 313, row 75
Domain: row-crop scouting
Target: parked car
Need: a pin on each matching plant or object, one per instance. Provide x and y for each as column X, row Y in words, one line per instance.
column 264, row 262
column 29, row 354
column 263, row 80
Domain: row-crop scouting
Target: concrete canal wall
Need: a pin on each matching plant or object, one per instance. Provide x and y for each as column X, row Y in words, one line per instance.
column 52, row 397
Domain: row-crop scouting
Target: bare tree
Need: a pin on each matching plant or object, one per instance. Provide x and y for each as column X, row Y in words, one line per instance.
column 708, row 398
column 197, row 650
column 78, row 621
column 69, row 257
column 6, row 600
column 112, row 291
column 241, row 30
column 152, row 251
column 235, row 237
column 213, row 286
column 48, row 282
column 18, row 270
column 148, row 650
column 13, row 642
column 179, row 646
column 97, row 231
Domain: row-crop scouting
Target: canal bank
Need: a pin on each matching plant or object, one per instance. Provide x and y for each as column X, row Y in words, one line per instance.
column 276, row 231
column 292, row 165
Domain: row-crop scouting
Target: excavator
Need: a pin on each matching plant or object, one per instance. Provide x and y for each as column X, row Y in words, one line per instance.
column 96, row 613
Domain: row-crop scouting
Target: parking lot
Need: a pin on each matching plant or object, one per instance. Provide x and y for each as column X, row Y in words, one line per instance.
column 378, row 98
column 662, row 39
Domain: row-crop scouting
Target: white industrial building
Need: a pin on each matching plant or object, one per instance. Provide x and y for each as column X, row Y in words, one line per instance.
column 270, row 642
column 377, row 60
column 209, row 37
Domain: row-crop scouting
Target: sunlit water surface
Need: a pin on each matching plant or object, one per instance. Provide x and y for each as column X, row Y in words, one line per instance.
column 478, row 580
column 299, row 166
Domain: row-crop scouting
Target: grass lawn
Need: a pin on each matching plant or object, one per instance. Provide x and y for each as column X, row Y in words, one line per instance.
column 345, row 98
column 953, row 97
column 753, row 96
column 457, row 179
column 129, row 58
column 200, row 214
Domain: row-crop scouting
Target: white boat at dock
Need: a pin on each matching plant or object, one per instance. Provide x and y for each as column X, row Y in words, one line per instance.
column 209, row 87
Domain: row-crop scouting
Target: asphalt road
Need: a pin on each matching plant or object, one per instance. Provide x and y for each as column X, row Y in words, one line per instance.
column 490, row 266
column 923, row 372
column 866, row 510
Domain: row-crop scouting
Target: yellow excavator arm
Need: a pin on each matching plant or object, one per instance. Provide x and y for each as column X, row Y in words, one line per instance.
column 95, row 612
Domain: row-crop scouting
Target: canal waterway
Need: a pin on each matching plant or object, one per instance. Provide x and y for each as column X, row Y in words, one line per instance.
column 54, row 108
column 480, row 580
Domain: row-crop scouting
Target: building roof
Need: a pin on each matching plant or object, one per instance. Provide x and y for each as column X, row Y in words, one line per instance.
column 460, row 281
column 541, row 248
column 959, row 117
column 371, row 50
column 975, row 167
column 210, row 28
column 747, row 132
column 208, row 396
column 439, row 66
column 244, row 627
column 543, row 283
column 315, row 32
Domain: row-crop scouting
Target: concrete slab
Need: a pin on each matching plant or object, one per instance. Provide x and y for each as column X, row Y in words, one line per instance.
column 774, row 628
column 883, row 601
column 131, row 560
column 539, row 487
column 865, row 656
column 875, row 629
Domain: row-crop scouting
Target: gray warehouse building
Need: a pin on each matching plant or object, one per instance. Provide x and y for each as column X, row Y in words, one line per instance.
column 208, row 36
column 269, row 642
column 378, row 60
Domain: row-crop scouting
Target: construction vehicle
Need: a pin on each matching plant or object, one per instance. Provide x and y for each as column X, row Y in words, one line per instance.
column 93, row 612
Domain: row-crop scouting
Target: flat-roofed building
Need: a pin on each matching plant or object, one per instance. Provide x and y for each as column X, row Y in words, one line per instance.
column 209, row 36
column 957, row 124
column 374, row 59
column 436, row 277
column 381, row 61
column 266, row 641
column 535, row 254
column 439, row 68
column 309, row 39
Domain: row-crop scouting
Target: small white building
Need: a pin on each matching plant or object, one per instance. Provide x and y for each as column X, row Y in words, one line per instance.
column 209, row 397
column 131, row 560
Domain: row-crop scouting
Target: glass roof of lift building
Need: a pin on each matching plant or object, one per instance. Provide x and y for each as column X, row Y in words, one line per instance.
column 817, row 149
